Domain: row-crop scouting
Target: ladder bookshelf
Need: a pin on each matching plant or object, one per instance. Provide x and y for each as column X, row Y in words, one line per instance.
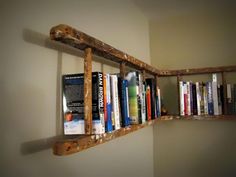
column 92, row 46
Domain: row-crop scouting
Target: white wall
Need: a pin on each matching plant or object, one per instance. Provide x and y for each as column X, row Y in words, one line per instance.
column 193, row 34
column 30, row 82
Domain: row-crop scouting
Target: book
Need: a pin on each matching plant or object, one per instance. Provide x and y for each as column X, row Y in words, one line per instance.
column 124, row 101
column 143, row 111
column 115, row 102
column 107, row 87
column 73, row 104
column 158, row 102
column 215, row 94
column 148, row 103
column 98, row 103
column 194, row 99
column 181, row 98
column 131, row 78
column 152, row 84
column 209, row 98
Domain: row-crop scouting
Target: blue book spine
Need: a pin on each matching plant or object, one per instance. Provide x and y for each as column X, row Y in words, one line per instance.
column 109, row 127
column 209, row 98
column 125, row 104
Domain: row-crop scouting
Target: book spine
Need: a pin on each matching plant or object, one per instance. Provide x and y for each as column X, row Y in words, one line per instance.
column 188, row 99
column 219, row 99
column 109, row 127
column 198, row 98
column 115, row 101
column 133, row 100
column 202, row 98
column 139, row 96
column 209, row 98
column 127, row 117
column 151, row 83
column 143, row 102
column 98, row 103
column 214, row 94
column 122, row 86
column 205, row 99
column 105, row 99
column 148, row 100
column 194, row 99
column 181, row 98
column 159, row 101
column 185, row 98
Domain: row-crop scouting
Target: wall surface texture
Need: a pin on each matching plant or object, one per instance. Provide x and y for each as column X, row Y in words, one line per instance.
column 193, row 35
column 30, row 74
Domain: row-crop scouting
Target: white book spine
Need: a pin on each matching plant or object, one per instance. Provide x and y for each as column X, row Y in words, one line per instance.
column 159, row 99
column 181, row 98
column 115, row 101
column 198, row 99
column 205, row 100
column 188, row 100
column 143, row 104
column 214, row 94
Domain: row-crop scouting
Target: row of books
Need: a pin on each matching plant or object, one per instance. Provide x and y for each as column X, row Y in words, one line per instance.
column 206, row 98
column 116, row 102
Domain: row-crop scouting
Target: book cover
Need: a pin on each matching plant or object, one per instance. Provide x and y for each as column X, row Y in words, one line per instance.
column 73, row 104
column 133, row 97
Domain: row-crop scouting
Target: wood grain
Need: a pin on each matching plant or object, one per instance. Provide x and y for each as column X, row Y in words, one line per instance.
column 80, row 40
column 70, row 146
column 88, row 91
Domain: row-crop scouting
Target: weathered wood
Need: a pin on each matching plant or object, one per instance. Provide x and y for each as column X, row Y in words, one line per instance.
column 196, row 71
column 122, row 70
column 88, row 91
column 80, row 40
column 70, row 146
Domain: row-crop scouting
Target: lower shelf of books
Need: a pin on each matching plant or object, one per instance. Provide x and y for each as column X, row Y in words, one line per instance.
column 70, row 145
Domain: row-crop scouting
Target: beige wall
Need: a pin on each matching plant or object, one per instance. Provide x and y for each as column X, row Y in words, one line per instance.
column 189, row 38
column 30, row 84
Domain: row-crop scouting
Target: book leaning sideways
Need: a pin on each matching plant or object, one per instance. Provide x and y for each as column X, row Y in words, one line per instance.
column 73, row 104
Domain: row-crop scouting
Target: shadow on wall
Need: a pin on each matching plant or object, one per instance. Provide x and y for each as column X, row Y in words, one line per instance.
column 43, row 40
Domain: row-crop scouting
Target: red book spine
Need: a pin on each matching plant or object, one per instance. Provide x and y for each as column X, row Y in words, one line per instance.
column 148, row 97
